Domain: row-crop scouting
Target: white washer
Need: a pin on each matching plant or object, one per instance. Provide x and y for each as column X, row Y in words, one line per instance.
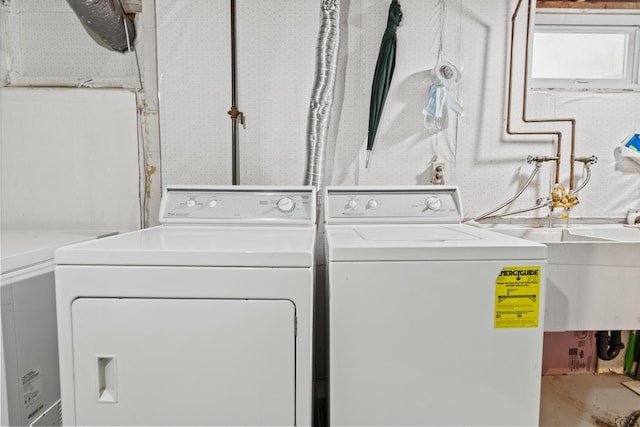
column 431, row 322
column 204, row 320
column 30, row 379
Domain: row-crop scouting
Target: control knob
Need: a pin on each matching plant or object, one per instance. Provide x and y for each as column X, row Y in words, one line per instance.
column 191, row 203
column 286, row 204
column 372, row 204
column 433, row 203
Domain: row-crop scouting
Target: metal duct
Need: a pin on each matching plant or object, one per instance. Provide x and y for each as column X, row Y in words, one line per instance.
column 322, row 96
column 106, row 23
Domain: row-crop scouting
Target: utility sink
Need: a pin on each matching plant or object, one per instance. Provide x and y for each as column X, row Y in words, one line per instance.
column 593, row 275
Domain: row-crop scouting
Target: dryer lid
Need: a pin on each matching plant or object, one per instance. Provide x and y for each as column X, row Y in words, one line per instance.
column 215, row 226
column 208, row 246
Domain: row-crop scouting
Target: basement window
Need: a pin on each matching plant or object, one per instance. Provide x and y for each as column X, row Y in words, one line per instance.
column 586, row 51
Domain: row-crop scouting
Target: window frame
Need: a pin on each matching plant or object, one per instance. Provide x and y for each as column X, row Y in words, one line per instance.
column 592, row 21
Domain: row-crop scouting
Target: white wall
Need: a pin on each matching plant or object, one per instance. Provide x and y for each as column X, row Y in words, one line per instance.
column 488, row 165
column 276, row 63
column 75, row 148
column 47, row 46
column 69, row 159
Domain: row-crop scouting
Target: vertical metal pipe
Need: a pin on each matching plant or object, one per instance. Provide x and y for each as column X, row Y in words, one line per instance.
column 524, row 109
column 524, row 91
column 233, row 112
column 235, row 178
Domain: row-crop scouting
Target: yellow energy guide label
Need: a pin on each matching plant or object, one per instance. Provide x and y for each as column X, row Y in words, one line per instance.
column 517, row 297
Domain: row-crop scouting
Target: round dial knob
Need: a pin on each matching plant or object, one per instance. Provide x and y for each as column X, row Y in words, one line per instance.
column 433, row 203
column 213, row 203
column 286, row 204
column 352, row 203
column 191, row 203
column 372, row 204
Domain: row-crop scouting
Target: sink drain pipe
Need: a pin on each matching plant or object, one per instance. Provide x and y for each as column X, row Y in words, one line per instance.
column 609, row 347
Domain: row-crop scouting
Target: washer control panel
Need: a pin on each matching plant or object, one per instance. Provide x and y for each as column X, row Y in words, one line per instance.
column 418, row 204
column 238, row 204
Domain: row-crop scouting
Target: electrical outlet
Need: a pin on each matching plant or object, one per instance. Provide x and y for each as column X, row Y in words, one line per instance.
column 437, row 173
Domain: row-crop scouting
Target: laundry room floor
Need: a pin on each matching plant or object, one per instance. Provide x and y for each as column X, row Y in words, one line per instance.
column 588, row 400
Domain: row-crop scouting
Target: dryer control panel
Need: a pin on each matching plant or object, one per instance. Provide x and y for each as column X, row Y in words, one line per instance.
column 238, row 204
column 416, row 204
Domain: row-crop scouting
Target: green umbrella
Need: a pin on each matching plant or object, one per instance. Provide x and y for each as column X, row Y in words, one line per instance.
column 383, row 74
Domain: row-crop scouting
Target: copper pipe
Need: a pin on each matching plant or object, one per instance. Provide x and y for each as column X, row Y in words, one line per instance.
column 558, row 134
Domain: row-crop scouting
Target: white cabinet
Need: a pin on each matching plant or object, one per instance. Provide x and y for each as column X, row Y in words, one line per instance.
column 29, row 344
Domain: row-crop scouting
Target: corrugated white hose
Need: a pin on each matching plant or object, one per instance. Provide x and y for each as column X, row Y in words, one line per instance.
column 322, row 96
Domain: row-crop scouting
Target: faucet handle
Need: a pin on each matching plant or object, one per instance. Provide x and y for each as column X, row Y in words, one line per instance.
column 540, row 159
column 590, row 160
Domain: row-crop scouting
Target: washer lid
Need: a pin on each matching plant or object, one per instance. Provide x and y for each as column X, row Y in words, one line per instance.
column 210, row 246
column 425, row 242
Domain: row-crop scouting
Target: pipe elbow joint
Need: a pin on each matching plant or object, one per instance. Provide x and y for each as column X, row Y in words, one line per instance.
column 608, row 348
column 558, row 195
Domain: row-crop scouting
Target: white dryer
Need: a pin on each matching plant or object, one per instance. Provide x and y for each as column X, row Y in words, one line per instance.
column 203, row 320
column 431, row 322
column 30, row 379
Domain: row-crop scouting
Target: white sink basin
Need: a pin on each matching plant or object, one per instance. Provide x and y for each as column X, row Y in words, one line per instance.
column 619, row 233
column 593, row 275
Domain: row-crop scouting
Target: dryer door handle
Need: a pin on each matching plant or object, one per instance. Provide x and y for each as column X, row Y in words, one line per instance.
column 107, row 391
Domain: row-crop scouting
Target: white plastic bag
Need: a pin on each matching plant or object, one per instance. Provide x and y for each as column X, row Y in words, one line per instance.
column 630, row 147
column 440, row 99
